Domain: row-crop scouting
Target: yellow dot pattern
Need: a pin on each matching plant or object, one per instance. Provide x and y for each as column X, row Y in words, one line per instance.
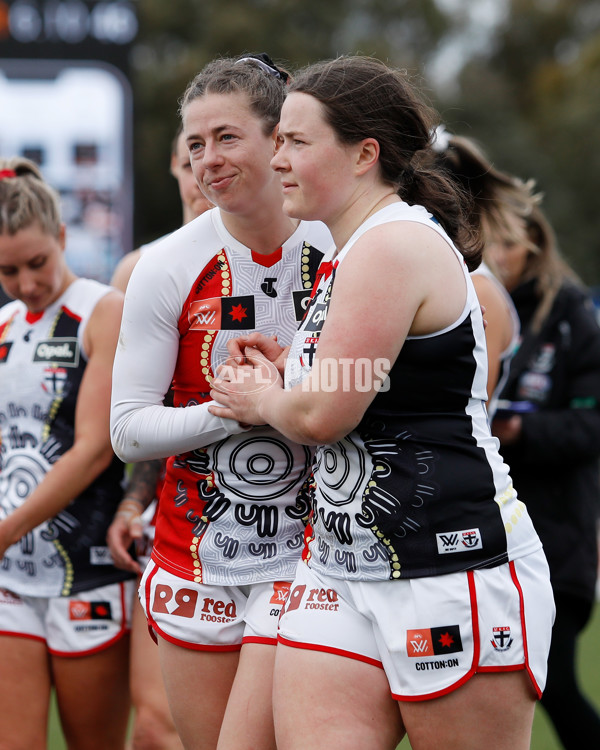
column 197, row 565
column 392, row 555
column 226, row 292
column 391, row 552
column 68, row 581
column 514, row 519
column 307, row 281
column 209, row 336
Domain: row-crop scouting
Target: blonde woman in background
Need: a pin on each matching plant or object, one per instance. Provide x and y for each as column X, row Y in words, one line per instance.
column 64, row 608
column 549, row 432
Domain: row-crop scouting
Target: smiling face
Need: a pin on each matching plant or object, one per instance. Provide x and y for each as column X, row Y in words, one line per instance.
column 33, row 267
column 229, row 152
column 316, row 170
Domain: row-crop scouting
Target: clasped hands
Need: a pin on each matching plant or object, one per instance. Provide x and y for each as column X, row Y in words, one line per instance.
column 254, row 366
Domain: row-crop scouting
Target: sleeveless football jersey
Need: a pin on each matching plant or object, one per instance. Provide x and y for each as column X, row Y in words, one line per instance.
column 418, row 488
column 232, row 506
column 42, row 362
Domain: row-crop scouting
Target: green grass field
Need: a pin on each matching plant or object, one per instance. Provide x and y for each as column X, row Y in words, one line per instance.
column 543, row 734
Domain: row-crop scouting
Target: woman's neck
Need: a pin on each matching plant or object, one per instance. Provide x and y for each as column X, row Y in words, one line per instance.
column 357, row 212
column 263, row 234
column 69, row 278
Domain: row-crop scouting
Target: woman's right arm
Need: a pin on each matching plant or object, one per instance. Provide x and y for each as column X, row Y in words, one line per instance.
column 141, row 426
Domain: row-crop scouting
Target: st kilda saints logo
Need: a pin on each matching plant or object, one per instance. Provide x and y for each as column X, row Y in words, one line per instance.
column 502, row 639
column 55, row 380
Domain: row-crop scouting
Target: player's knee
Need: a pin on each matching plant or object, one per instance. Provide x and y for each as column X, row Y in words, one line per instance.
column 153, row 730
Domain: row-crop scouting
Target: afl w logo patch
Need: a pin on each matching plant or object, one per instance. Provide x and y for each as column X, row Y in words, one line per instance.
column 100, row 556
column 222, row 313
column 61, row 351
column 281, row 591
column 433, row 641
column 81, row 610
column 458, row 541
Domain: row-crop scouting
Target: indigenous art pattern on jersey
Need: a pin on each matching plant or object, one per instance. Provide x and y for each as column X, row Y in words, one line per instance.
column 41, row 367
column 418, row 488
column 232, row 512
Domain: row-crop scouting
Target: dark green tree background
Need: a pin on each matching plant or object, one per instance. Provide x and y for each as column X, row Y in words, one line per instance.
column 527, row 87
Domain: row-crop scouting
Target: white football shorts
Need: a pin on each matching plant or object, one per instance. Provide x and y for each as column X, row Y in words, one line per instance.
column 430, row 635
column 76, row 625
column 211, row 618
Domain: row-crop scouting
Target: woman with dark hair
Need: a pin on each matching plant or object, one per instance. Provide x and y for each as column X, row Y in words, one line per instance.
column 423, row 603
column 230, row 518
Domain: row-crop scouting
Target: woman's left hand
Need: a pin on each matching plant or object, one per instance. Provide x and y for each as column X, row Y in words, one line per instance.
column 240, row 389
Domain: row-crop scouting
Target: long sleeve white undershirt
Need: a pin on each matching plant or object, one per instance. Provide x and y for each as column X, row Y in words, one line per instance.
column 141, row 427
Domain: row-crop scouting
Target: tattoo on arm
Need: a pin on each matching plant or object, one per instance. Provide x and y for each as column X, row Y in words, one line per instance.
column 142, row 483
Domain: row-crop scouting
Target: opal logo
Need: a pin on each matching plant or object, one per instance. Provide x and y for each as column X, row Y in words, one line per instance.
column 63, row 351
